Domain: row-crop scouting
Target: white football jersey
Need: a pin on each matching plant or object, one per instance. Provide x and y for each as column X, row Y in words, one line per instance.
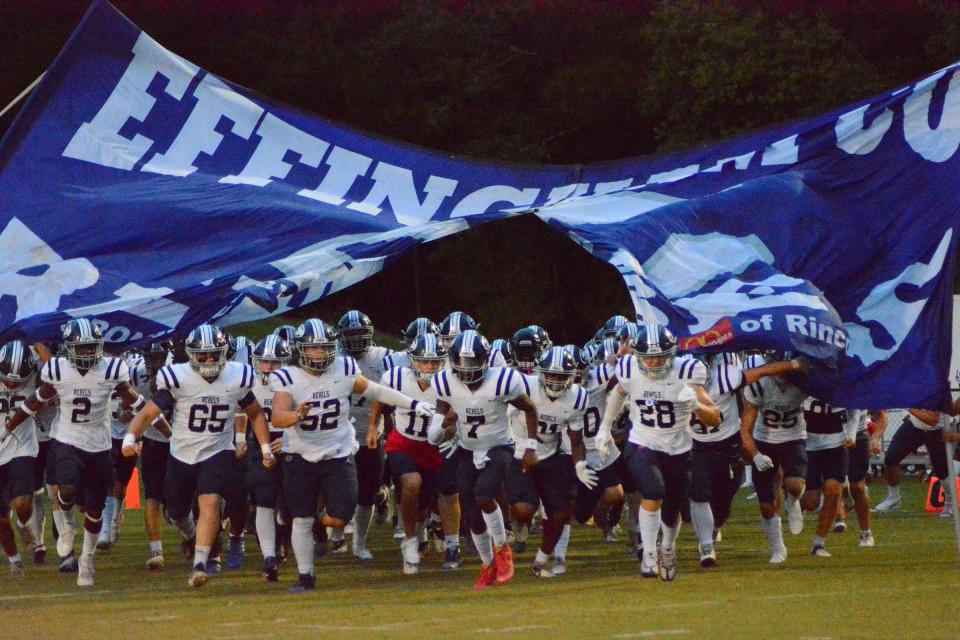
column 203, row 416
column 371, row 365
column 828, row 426
column 407, row 423
column 657, row 420
column 554, row 417
column 396, row 359
column 779, row 408
column 84, row 399
column 596, row 381
column 482, row 414
column 264, row 395
column 326, row 432
column 517, row 419
column 725, row 381
column 23, row 441
column 923, row 426
column 46, row 418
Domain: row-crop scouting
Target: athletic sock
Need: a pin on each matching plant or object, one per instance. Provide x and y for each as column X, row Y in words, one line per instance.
column 560, row 551
column 542, row 557
column 267, row 531
column 670, row 534
column 361, row 524
column 109, row 507
column 201, row 555
column 156, row 546
column 15, row 558
column 484, row 545
column 772, row 529
column 818, row 541
column 336, row 535
column 702, row 517
column 89, row 542
column 893, row 492
column 495, row 527
column 452, row 541
column 37, row 520
column 649, row 525
column 301, row 538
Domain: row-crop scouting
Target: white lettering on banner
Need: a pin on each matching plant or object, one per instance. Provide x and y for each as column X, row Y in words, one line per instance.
column 276, row 139
column 215, row 100
column 345, row 168
column 640, row 292
column 783, row 151
column 854, row 138
column 99, row 141
column 897, row 317
column 934, row 144
column 35, row 274
column 396, row 185
column 739, row 162
column 480, row 200
column 138, row 301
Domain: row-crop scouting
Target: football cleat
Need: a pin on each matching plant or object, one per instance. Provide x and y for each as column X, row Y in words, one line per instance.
column 708, row 556
column 453, row 559
column 410, row 551
column 779, row 556
column 85, row 575
column 270, row 569
column 306, row 582
column 235, row 553
column 363, row 554
column 611, row 537
column 820, row 551
column 503, row 560
column 794, row 515
column 338, row 547
column 668, row 564
column 213, row 566
column 40, row 557
column 68, row 564
column 839, row 526
column 155, row 563
column 487, row 577
column 866, row 539
column 199, row 576
column 16, row 570
column 559, row 566
column 648, row 566
column 890, row 503
column 542, row 571
column 717, row 536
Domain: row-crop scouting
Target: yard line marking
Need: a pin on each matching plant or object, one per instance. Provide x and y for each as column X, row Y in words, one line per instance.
column 511, row 629
column 37, row 596
column 653, row 634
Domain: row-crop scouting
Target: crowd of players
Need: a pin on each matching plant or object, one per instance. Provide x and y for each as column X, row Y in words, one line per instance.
column 299, row 435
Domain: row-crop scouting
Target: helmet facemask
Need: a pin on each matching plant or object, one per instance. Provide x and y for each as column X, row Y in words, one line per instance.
column 469, row 369
column 657, row 366
column 426, row 367
column 525, row 357
column 85, row 354
column 356, row 342
column 265, row 366
column 555, row 383
column 208, row 361
column 317, row 356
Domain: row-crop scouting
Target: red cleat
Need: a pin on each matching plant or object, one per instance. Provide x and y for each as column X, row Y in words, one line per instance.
column 487, row 577
column 503, row 561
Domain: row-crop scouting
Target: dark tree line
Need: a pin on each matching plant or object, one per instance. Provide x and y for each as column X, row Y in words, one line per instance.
column 534, row 81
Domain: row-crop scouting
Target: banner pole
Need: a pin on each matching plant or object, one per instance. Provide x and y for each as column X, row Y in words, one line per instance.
column 952, row 484
column 22, row 94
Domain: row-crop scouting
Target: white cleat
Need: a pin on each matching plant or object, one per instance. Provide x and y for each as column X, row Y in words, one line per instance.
column 559, row 566
column 890, row 503
column 708, row 557
column 648, row 566
column 820, row 551
column 155, row 563
column 779, row 556
column 411, row 556
column 668, row 564
column 364, row 554
column 542, row 571
column 794, row 515
column 866, row 540
column 198, row 578
column 85, row 576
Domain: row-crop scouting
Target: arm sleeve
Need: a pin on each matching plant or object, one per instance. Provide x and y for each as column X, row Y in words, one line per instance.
column 247, row 400
column 164, row 399
column 851, row 424
column 386, row 395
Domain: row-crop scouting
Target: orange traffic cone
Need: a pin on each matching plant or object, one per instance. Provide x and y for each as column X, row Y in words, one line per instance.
column 132, row 500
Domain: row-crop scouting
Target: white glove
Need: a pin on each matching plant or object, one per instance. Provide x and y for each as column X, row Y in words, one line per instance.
column 762, row 462
column 586, row 475
column 425, row 409
column 688, row 397
column 602, row 440
column 435, row 430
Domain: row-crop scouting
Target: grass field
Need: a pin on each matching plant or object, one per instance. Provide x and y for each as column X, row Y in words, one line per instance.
column 902, row 588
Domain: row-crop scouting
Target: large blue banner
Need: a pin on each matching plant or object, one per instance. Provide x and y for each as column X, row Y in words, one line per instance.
column 145, row 191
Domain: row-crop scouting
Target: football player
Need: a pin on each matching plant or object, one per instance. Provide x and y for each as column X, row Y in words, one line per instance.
column 45, row 419
column 355, row 338
column 414, row 463
column 202, row 395
column 560, row 405
column 919, row 427
column 831, row 434
column 84, row 382
column 717, row 465
column 18, row 450
column 453, row 325
column 663, row 396
column 155, row 449
column 312, row 401
column 527, row 346
column 773, row 431
column 474, row 397
column 867, row 445
column 271, row 354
